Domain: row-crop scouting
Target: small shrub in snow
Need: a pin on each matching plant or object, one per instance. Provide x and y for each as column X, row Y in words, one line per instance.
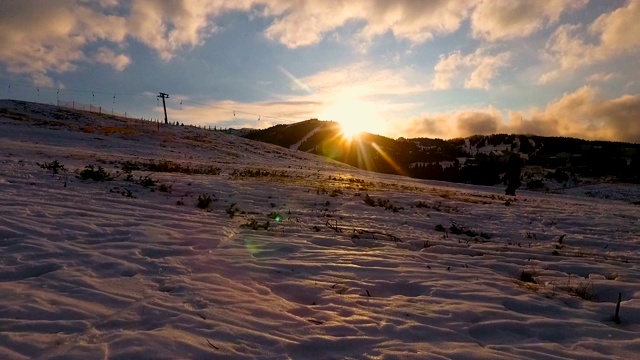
column 146, row 182
column 527, row 276
column 422, row 204
column 232, row 210
column 335, row 192
column 96, row 174
column 461, row 230
column 168, row 166
column 204, row 201
column 457, row 230
column 124, row 192
column 252, row 173
column 54, row 166
column 369, row 201
column 128, row 166
column 253, row 224
column 584, row 290
column 437, row 206
column 384, row 203
column 165, row 188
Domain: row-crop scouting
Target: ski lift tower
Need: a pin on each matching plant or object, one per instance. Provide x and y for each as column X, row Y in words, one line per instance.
column 164, row 96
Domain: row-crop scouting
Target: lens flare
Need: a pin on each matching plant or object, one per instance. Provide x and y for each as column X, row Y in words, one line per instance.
column 388, row 159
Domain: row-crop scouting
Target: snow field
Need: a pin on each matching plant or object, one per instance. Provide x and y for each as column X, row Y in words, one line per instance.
column 86, row 272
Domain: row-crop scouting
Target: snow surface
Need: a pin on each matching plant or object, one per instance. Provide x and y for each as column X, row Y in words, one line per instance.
column 87, row 273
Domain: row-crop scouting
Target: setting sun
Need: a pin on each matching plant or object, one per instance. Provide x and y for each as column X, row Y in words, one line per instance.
column 355, row 116
column 350, row 130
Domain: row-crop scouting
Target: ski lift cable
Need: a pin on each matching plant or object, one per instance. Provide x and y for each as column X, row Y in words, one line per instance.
column 93, row 93
column 234, row 111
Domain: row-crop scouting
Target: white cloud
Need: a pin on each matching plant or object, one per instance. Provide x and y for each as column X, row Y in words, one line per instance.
column 585, row 113
column 416, row 21
column 40, row 37
column 486, row 68
column 509, row 19
column 601, row 77
column 614, row 34
column 109, row 3
column 446, row 69
column 305, row 22
column 364, row 80
column 37, row 49
column 582, row 114
column 168, row 26
column 618, row 31
column 451, row 125
column 482, row 67
column 107, row 56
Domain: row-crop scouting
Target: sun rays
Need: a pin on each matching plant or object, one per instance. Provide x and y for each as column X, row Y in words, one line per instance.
column 355, row 115
column 358, row 148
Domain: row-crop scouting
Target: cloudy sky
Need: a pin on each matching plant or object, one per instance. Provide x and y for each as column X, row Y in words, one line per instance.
column 437, row 68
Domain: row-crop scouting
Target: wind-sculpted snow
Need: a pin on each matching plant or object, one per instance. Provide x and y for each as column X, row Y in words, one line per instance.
column 290, row 260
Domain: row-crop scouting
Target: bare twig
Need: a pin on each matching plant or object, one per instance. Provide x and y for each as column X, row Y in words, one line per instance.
column 374, row 232
column 213, row 346
column 616, row 317
column 334, row 227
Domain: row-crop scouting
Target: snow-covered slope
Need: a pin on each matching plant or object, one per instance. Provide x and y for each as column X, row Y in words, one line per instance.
column 289, row 260
column 296, row 146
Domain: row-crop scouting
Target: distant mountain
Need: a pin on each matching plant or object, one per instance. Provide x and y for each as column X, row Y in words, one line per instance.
column 477, row 159
column 289, row 135
column 367, row 151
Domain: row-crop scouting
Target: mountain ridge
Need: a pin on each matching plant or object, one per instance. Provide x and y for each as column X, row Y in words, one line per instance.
column 477, row 159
